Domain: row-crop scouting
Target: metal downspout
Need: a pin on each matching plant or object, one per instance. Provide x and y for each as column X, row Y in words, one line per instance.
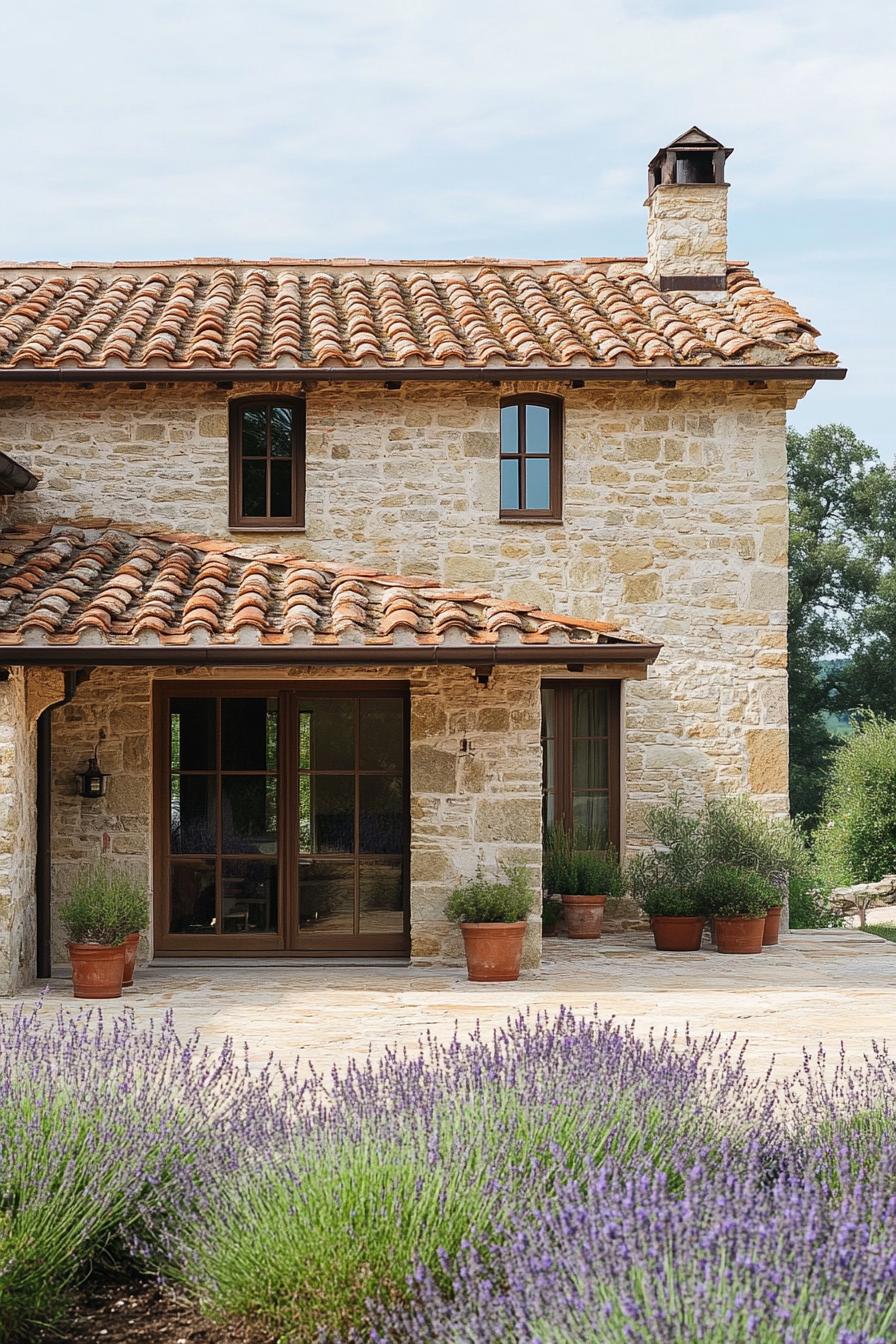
column 43, row 865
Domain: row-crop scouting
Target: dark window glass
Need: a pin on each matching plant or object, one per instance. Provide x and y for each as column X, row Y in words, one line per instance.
column 193, row 814
column 281, row 431
column 382, row 896
column 281, row 489
column 249, row 814
column 248, row 733
column 192, row 734
column 382, row 809
column 382, row 733
column 330, row 820
column 254, row 488
column 327, row 734
column 248, row 896
column 326, row 897
column 255, row 433
column 192, row 896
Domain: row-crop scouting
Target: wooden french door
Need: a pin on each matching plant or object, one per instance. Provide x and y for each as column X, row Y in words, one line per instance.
column 281, row 819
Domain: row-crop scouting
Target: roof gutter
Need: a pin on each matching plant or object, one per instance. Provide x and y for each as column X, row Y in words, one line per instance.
column 86, row 377
column 326, row 656
column 14, row 478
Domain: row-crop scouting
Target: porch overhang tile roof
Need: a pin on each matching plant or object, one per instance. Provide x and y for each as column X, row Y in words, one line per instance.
column 96, row 594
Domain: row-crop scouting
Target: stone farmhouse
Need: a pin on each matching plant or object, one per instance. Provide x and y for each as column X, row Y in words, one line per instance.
column 323, row 582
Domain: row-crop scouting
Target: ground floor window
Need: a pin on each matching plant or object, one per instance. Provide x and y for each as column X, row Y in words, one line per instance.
column 281, row 819
column 580, row 757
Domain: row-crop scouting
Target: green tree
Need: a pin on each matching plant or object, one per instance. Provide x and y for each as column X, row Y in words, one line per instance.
column 856, row 841
column 842, row 602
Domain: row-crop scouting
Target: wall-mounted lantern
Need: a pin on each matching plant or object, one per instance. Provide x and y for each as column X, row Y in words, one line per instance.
column 92, row 782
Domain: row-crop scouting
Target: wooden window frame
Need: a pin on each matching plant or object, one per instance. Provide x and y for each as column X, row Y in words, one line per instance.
column 268, row 522
column 563, row 781
column 287, row 940
column 554, row 406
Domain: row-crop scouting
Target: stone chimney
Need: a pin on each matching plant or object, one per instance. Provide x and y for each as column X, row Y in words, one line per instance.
column 687, row 222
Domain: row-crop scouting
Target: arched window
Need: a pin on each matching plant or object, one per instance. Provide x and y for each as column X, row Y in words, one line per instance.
column 531, row 452
column 267, row 462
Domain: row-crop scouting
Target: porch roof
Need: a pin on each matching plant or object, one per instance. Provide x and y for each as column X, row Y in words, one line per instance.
column 97, row 593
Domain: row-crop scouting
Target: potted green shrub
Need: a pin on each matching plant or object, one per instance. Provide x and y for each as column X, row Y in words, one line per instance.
column 738, row 901
column 584, row 877
column 739, row 833
column 492, row 918
column 674, row 908
column 95, row 919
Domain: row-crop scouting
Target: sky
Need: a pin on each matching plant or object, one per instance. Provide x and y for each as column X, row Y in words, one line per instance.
column 511, row 128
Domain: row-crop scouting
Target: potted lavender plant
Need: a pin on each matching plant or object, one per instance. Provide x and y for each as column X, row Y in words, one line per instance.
column 96, row 922
column 584, row 876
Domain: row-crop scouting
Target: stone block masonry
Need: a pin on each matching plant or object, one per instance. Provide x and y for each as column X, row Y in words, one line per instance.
column 674, row 524
column 18, row 837
column 479, row 807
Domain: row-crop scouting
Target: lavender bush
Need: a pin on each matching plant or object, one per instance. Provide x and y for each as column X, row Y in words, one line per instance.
column 407, row 1160
column 559, row 1182
column 96, row 1120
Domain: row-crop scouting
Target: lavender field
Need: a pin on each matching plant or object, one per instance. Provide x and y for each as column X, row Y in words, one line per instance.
column 560, row 1183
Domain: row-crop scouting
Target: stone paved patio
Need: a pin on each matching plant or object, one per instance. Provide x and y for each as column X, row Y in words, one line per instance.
column 820, row 986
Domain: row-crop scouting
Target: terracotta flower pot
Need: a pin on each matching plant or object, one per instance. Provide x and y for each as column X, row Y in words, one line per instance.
column 772, row 926
column 677, row 933
column 493, row 951
column 97, row 970
column 131, row 943
column 584, row 915
column 740, row 935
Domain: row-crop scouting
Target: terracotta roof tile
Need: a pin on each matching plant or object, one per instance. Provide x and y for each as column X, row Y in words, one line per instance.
column 213, row 313
column 61, row 582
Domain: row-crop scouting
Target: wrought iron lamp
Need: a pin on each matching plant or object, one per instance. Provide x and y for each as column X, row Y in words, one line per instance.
column 92, row 782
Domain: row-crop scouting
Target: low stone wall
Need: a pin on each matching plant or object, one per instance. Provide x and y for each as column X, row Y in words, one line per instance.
column 114, row 704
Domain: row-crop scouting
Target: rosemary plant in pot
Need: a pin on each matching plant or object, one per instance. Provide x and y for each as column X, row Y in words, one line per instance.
column 738, row 900
column 96, row 922
column 492, row 918
column 584, row 876
column 671, row 903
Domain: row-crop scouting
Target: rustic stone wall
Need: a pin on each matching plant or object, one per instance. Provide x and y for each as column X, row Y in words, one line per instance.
column 479, row 806
column 112, row 707
column 687, row 230
column 17, row 837
column 675, row 523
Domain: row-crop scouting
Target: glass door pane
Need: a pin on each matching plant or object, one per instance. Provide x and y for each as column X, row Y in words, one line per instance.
column 223, row 798
column 351, row 819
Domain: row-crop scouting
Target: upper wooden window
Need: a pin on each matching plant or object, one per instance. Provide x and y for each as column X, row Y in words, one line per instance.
column 531, row 453
column 267, row 462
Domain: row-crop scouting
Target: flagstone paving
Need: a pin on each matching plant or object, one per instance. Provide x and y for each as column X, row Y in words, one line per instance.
column 818, row 987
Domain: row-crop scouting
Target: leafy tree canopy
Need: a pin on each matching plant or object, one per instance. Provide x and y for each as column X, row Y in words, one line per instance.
column 842, row 619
